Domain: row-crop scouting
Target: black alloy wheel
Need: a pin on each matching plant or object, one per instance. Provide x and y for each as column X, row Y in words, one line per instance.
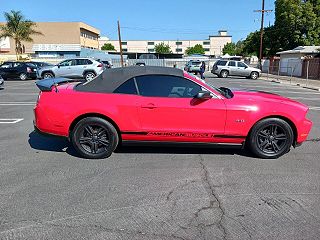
column 94, row 137
column 271, row 138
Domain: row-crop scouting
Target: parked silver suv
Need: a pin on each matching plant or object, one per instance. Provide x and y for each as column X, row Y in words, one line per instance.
column 72, row 68
column 224, row 68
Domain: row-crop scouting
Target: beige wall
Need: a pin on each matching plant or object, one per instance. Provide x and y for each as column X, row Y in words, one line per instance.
column 216, row 44
column 60, row 33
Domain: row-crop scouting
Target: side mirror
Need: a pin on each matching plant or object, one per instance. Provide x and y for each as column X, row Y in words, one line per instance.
column 203, row 95
column 58, row 65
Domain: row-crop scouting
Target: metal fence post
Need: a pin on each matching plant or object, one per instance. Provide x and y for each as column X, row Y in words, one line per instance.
column 308, row 63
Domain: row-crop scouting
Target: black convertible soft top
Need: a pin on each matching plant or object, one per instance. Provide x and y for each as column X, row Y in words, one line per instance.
column 111, row 79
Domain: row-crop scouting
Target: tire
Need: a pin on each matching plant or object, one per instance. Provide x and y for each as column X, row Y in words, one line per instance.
column 270, row 138
column 254, row 75
column 88, row 76
column 47, row 75
column 23, row 76
column 224, row 74
column 94, row 138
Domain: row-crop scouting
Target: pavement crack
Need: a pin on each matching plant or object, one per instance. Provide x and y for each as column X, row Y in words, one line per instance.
column 214, row 199
column 313, row 140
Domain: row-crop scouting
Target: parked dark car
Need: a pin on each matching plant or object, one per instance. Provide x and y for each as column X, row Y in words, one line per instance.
column 20, row 70
column 1, row 82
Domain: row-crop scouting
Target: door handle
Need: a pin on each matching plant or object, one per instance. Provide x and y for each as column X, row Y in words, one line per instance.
column 149, row 106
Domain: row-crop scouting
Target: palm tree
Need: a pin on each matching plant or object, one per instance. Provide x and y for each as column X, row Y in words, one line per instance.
column 19, row 29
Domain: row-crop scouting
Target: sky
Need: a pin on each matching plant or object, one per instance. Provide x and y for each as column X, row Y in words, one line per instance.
column 150, row 19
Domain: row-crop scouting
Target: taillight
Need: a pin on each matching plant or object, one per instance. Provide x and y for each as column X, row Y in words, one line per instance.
column 29, row 70
column 100, row 65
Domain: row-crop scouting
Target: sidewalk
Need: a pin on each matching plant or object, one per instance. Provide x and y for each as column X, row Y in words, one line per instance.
column 305, row 83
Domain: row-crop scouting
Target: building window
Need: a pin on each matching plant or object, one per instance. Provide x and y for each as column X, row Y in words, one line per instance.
column 150, row 43
column 123, row 43
column 178, row 49
column 124, row 50
column 178, row 43
column 151, row 50
column 206, row 43
column 207, row 49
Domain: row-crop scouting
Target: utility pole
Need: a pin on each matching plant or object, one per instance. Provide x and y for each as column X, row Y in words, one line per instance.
column 261, row 31
column 120, row 44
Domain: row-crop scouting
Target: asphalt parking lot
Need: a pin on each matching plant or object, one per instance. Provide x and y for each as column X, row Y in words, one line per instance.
column 48, row 192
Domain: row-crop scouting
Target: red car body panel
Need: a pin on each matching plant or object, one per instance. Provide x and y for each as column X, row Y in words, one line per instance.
column 216, row 120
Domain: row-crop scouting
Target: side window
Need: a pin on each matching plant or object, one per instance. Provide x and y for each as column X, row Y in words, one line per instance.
column 241, row 64
column 16, row 64
column 221, row 63
column 167, row 86
column 83, row 62
column 232, row 64
column 66, row 63
column 6, row 65
column 127, row 87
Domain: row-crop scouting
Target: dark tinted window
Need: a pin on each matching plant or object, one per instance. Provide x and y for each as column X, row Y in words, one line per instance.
column 241, row 64
column 232, row 64
column 166, row 86
column 83, row 62
column 127, row 87
column 221, row 63
column 6, row 65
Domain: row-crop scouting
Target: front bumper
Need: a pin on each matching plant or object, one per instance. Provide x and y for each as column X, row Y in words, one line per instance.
column 303, row 131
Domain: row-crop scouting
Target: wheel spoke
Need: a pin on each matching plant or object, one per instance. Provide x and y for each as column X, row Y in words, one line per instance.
column 85, row 139
column 280, row 137
column 264, row 144
column 101, row 131
column 275, row 146
column 89, row 130
column 104, row 142
column 94, row 147
column 263, row 134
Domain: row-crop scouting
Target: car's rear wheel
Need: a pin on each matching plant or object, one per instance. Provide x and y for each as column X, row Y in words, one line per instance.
column 88, row 76
column 254, row 75
column 47, row 75
column 224, row 74
column 271, row 138
column 94, row 138
column 23, row 76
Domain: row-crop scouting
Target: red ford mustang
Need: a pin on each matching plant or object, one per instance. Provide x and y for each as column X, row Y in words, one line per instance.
column 157, row 104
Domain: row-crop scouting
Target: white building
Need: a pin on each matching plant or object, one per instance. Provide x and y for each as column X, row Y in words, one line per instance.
column 213, row 45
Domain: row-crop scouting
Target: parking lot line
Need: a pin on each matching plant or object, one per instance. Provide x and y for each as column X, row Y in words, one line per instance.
column 10, row 120
column 16, row 103
column 315, row 108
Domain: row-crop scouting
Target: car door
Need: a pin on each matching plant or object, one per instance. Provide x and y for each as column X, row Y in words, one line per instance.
column 169, row 111
column 242, row 69
column 232, row 68
column 80, row 66
column 64, row 69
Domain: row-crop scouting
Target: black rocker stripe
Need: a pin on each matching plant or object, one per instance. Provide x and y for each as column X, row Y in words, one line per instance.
column 216, row 136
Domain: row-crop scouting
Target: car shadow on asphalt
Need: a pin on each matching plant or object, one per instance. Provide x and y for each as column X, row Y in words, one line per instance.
column 59, row 144
column 51, row 143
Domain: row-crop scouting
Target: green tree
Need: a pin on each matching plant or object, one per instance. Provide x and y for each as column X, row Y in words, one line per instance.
column 229, row 48
column 19, row 29
column 196, row 49
column 162, row 48
column 234, row 48
column 297, row 22
column 108, row 47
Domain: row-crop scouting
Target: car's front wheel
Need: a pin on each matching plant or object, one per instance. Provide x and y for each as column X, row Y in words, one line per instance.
column 254, row 75
column 94, row 138
column 270, row 138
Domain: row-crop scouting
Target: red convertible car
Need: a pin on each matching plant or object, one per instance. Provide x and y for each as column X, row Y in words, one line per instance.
column 158, row 104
